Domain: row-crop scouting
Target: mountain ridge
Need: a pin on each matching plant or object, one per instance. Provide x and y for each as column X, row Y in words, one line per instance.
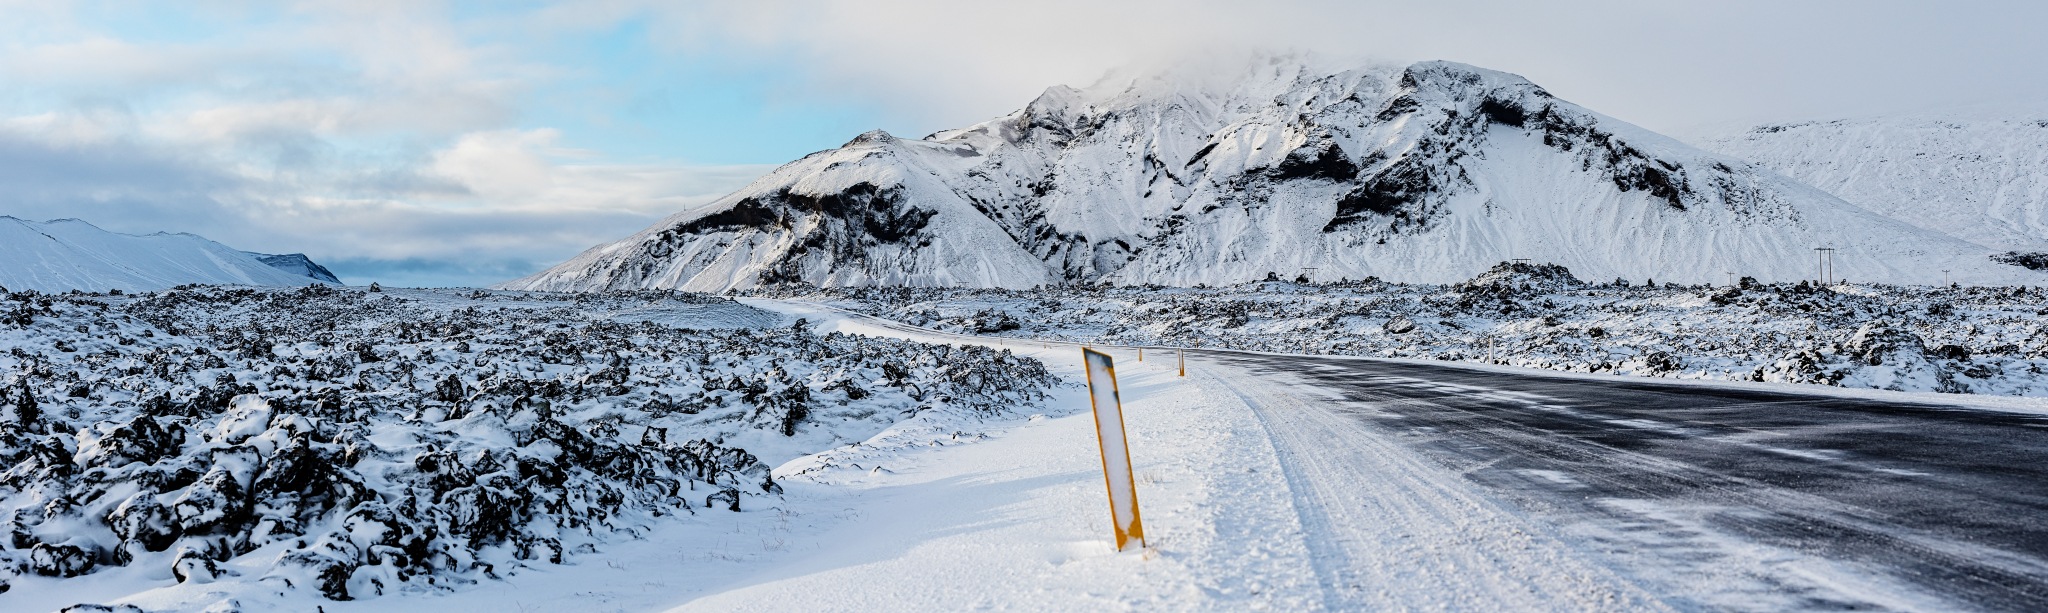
column 1430, row 172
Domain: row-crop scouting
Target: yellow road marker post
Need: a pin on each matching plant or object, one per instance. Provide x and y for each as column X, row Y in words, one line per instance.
column 1116, row 453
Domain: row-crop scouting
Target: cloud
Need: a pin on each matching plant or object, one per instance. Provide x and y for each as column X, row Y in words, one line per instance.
column 376, row 136
column 480, row 211
column 420, row 272
column 1668, row 66
column 100, row 177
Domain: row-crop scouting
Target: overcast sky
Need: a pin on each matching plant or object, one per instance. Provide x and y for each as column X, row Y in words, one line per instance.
column 438, row 143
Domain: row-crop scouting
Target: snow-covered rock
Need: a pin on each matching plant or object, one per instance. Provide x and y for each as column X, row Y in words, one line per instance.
column 68, row 254
column 1975, row 340
column 347, row 443
column 1431, row 172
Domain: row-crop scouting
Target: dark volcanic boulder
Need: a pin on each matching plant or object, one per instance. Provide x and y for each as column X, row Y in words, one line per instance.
column 59, row 560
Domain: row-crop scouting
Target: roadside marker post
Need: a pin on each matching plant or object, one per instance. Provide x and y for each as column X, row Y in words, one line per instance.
column 1116, row 454
column 1183, row 353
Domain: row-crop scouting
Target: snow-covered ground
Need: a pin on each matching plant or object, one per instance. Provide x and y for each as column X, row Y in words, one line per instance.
column 1976, row 340
column 270, row 446
column 997, row 509
column 942, row 510
column 1018, row 521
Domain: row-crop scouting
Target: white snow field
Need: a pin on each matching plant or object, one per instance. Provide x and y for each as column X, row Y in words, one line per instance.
column 68, row 254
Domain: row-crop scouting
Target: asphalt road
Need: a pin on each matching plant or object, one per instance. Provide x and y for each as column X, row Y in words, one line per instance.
column 1713, row 498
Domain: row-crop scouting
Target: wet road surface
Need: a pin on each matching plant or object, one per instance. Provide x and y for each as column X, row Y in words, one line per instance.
column 1718, row 498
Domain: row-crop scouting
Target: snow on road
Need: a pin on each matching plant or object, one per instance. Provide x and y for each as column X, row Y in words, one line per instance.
column 1250, row 503
column 1407, row 534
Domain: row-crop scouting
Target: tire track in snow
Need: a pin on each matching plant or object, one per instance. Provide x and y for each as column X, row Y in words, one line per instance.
column 1392, row 531
column 1729, row 499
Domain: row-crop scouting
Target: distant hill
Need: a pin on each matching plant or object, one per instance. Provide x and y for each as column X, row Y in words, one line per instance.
column 298, row 264
column 1980, row 175
column 67, row 254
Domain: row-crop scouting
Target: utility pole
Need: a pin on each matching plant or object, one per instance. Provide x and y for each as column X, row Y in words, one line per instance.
column 1826, row 256
column 1944, row 277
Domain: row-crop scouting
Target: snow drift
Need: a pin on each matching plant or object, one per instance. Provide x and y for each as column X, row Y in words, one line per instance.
column 1425, row 173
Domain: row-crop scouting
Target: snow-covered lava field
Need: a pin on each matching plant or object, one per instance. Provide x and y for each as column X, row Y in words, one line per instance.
column 234, row 448
column 342, row 444
column 1971, row 340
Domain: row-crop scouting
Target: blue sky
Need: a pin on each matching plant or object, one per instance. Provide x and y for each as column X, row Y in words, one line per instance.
column 466, row 143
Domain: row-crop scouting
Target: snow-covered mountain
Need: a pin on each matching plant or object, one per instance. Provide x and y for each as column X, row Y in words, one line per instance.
column 67, row 254
column 1977, row 174
column 1431, row 172
column 298, row 264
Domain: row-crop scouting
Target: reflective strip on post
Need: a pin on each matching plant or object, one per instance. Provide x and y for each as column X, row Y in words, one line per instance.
column 1116, row 455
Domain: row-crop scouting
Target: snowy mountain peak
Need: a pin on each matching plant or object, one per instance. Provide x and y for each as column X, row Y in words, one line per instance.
column 871, row 136
column 1429, row 172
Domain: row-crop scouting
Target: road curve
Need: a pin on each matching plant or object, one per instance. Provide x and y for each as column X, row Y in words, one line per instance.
column 1707, row 498
column 1693, row 497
